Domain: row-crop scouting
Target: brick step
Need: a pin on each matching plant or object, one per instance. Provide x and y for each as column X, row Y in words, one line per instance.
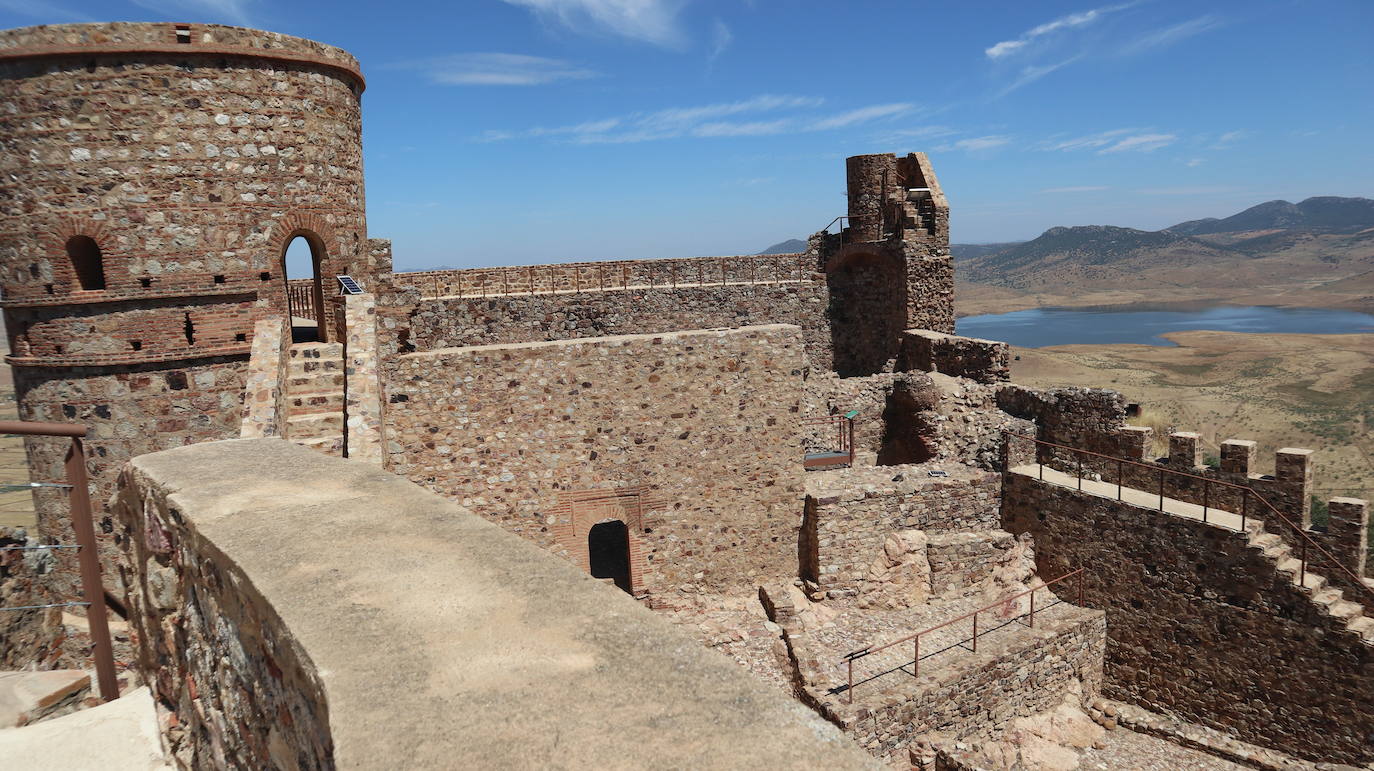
column 315, row 382
column 301, row 367
column 329, row 445
column 306, row 402
column 317, row 351
column 314, row 426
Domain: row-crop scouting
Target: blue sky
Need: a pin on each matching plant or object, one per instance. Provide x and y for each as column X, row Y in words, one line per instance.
column 529, row 131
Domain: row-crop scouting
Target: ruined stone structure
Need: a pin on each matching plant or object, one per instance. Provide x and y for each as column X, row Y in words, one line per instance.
column 647, row 422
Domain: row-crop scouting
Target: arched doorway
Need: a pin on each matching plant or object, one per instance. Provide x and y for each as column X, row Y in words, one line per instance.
column 867, row 312
column 608, row 547
column 302, row 261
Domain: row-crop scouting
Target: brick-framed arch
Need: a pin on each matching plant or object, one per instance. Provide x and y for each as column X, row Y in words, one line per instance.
column 55, row 250
column 318, row 233
column 579, row 510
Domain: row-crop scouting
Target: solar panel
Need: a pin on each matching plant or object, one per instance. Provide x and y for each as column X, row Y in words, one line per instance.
column 349, row 285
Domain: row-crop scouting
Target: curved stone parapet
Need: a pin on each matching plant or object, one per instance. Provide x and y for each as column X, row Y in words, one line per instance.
column 300, row 611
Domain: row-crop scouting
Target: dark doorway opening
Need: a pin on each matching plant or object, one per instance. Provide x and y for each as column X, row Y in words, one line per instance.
column 608, row 546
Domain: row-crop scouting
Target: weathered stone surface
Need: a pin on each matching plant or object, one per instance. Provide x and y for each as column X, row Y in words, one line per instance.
column 27, row 697
column 285, row 640
column 119, row 736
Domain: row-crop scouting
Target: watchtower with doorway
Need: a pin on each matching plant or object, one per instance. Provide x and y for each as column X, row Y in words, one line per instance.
column 154, row 176
column 890, row 269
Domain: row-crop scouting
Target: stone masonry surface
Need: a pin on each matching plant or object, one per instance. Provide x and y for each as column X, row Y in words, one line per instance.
column 1201, row 624
column 708, row 421
column 276, row 646
column 151, row 180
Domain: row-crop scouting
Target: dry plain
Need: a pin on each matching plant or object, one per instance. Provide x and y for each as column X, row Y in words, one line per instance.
column 1313, row 391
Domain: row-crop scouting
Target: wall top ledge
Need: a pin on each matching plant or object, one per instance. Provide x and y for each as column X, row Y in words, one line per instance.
column 444, row 641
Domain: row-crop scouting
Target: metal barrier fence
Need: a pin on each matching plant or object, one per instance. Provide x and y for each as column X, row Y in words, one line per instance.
column 1262, row 506
column 92, row 589
column 915, row 639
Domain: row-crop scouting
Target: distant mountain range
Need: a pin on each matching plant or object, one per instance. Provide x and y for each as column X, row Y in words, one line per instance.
column 1323, row 244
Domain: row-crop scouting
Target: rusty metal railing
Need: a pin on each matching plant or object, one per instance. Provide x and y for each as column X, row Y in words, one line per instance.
column 300, row 296
column 844, row 440
column 915, row 639
column 1305, row 541
column 92, row 589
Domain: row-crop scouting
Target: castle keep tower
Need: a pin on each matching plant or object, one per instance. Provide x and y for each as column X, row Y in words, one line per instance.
column 153, row 175
column 891, row 268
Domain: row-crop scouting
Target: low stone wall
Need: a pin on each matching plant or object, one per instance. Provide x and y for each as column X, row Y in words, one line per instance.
column 987, row 361
column 850, row 513
column 446, row 322
column 300, row 611
column 29, row 639
column 703, row 426
column 974, row 696
column 1201, row 625
column 264, row 388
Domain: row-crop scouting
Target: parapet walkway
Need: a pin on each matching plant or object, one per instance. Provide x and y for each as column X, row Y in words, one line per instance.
column 1274, row 548
column 1147, row 500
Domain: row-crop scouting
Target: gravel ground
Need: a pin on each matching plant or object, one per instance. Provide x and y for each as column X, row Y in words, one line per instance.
column 1142, row 752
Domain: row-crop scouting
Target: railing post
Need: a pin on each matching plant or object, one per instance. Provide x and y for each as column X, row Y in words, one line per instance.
column 1079, row 458
column 916, row 658
column 1032, row 608
column 1161, row 489
column 1206, row 498
column 601, row 276
column 850, row 690
column 1080, row 587
column 1244, row 507
column 91, row 585
column 1120, row 472
column 975, row 631
column 1302, row 569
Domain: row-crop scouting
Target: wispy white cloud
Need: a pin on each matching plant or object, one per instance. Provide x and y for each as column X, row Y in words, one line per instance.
column 232, row 11
column 1194, row 162
column 976, row 144
column 1141, row 143
column 721, row 38
column 43, row 10
column 650, row 21
column 1076, row 189
column 862, row 115
column 495, row 69
column 1226, row 140
column 724, row 119
column 1071, row 21
column 1031, row 73
column 1167, row 36
column 1115, row 141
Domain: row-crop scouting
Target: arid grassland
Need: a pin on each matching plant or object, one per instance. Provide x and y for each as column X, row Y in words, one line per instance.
column 1314, row 391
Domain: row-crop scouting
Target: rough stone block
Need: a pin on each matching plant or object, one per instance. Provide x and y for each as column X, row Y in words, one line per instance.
column 1237, row 456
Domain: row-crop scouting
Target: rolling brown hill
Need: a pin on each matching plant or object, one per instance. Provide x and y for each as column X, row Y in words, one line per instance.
column 1319, row 252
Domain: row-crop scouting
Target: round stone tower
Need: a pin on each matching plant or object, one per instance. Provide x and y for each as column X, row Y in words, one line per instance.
column 153, row 175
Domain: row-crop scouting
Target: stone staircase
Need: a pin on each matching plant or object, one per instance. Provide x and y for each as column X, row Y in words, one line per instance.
column 1280, row 553
column 315, row 397
column 1277, row 551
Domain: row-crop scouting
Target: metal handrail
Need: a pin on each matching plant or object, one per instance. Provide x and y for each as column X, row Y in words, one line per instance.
column 1246, row 492
column 844, row 424
column 89, row 559
column 853, row 656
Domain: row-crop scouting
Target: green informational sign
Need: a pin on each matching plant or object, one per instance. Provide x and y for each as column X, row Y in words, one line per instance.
column 852, row 414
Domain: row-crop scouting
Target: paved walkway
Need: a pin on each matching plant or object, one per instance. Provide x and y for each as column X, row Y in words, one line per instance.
column 1141, row 498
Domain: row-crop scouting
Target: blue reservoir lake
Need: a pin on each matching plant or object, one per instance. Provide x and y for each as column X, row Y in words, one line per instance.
column 1143, row 324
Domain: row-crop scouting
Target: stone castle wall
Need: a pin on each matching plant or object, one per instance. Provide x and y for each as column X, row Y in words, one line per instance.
column 706, row 422
column 153, row 176
column 1201, row 625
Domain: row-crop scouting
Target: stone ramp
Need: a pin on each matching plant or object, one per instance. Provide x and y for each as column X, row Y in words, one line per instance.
column 122, row 735
column 1278, row 552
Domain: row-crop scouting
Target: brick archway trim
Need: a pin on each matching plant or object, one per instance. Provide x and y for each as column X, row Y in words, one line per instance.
column 578, row 510
column 55, row 247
